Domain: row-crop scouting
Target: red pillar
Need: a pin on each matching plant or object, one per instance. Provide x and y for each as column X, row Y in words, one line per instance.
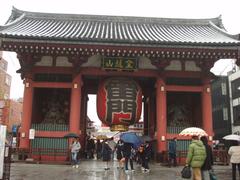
column 161, row 111
column 74, row 124
column 83, row 124
column 207, row 108
column 27, row 114
column 152, row 117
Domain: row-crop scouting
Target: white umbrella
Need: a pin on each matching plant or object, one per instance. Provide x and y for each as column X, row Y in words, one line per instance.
column 233, row 137
column 193, row 131
column 112, row 144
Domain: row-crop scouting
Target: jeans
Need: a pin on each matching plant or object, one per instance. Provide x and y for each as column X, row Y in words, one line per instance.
column 126, row 163
column 74, row 158
column 145, row 163
column 234, row 170
column 205, row 175
column 172, row 159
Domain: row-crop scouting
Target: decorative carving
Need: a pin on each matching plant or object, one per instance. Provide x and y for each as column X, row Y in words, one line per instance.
column 179, row 115
column 55, row 109
column 205, row 65
column 27, row 61
column 77, row 61
column 160, row 63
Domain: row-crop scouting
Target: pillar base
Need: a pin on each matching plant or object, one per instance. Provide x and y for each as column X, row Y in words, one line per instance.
column 162, row 157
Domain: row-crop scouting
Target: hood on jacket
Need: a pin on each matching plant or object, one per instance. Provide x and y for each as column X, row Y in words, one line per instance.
column 197, row 142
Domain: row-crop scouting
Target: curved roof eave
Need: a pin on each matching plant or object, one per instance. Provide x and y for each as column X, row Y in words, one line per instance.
column 124, row 43
column 16, row 13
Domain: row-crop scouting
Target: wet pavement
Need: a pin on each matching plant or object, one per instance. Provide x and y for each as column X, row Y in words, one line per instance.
column 94, row 170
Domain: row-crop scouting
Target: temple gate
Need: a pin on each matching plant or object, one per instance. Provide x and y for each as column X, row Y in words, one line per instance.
column 63, row 58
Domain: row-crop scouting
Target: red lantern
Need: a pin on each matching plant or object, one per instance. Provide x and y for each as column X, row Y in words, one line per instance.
column 119, row 103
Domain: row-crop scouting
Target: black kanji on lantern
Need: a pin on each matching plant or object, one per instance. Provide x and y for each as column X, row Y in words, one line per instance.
column 121, row 100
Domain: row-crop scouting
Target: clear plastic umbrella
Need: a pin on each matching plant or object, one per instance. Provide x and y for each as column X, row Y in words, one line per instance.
column 233, row 137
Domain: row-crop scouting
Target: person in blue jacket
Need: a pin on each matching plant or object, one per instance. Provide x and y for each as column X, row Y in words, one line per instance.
column 172, row 152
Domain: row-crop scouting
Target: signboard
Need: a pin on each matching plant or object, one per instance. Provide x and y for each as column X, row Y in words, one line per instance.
column 31, row 133
column 2, row 147
column 14, row 128
column 120, row 63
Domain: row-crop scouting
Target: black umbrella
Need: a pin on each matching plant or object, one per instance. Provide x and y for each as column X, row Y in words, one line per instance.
column 146, row 138
column 71, row 135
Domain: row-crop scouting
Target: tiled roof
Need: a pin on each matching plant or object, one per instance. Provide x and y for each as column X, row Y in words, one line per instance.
column 116, row 29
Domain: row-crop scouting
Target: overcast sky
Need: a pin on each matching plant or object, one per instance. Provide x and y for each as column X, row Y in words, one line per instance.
column 229, row 9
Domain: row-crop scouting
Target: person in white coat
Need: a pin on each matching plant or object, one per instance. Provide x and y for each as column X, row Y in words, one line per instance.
column 75, row 147
column 234, row 152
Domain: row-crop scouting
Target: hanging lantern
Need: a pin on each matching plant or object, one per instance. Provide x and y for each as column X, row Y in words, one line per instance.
column 119, row 103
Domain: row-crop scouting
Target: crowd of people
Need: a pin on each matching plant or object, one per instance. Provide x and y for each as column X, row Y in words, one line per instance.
column 125, row 153
column 199, row 156
column 200, row 159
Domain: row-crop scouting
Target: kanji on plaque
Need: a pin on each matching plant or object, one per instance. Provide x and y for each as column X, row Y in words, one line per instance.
column 120, row 63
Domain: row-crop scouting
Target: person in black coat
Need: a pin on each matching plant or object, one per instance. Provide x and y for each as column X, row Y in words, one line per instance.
column 208, row 163
column 127, row 152
column 147, row 157
column 98, row 149
column 106, row 153
column 119, row 151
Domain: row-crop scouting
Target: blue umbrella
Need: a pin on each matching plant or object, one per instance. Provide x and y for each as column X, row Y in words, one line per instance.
column 131, row 137
column 146, row 138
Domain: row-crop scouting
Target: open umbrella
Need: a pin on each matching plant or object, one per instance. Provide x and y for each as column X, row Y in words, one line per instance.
column 193, row 131
column 71, row 135
column 112, row 144
column 101, row 137
column 233, row 137
column 131, row 137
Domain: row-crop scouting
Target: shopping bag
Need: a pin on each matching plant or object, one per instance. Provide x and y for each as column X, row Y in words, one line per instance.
column 212, row 175
column 186, row 172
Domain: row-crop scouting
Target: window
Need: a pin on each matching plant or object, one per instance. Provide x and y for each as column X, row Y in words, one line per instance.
column 235, row 88
column 225, row 114
column 6, row 96
column 224, row 89
column 3, row 65
column 236, row 115
column 8, row 80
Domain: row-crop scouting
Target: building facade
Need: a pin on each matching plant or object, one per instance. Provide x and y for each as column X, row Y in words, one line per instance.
column 5, row 79
column 221, row 107
column 5, row 84
column 234, row 84
column 65, row 58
